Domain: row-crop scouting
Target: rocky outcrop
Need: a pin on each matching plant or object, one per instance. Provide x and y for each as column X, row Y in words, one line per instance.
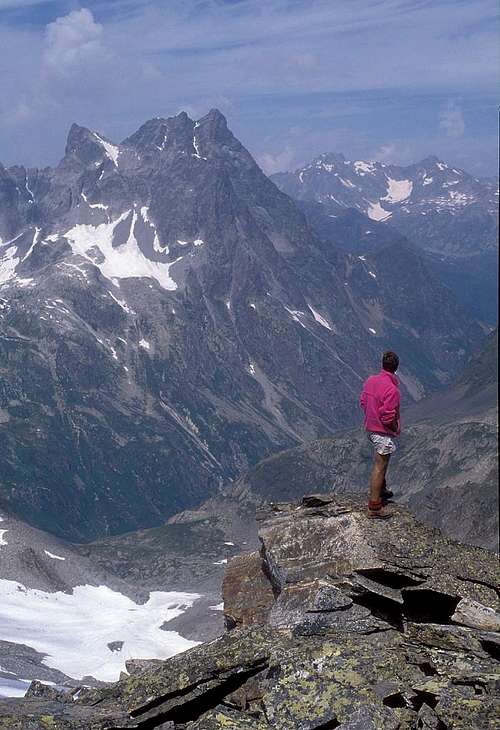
column 339, row 621
column 247, row 592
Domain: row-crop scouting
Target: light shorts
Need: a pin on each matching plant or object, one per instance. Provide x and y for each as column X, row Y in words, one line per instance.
column 382, row 444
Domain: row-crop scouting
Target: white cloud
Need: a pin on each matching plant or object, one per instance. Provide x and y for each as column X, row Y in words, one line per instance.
column 72, row 40
column 279, row 162
column 398, row 152
column 451, row 119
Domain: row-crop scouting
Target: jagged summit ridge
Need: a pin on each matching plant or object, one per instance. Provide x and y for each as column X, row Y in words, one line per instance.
column 178, row 134
column 102, row 199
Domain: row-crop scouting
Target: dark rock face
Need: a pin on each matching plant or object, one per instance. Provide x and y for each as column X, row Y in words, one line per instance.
column 250, row 606
column 370, row 626
column 168, row 319
column 446, row 212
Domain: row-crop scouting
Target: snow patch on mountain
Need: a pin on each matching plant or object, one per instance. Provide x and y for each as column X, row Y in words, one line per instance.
column 8, row 264
column 347, row 183
column 397, row 190
column 157, row 246
column 118, row 262
column 196, row 146
column 218, row 607
column 3, row 541
column 29, row 191
column 377, row 213
column 362, row 168
column 100, row 206
column 459, row 198
column 319, row 319
column 121, row 303
column 74, row 629
column 296, row 315
column 112, row 151
column 53, row 555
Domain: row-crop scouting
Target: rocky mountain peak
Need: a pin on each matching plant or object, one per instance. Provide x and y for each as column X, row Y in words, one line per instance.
column 76, row 135
column 88, row 147
column 214, row 124
column 182, row 135
column 163, row 134
column 213, row 139
column 336, row 622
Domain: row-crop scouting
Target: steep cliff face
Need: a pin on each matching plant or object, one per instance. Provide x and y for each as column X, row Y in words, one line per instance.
column 336, row 622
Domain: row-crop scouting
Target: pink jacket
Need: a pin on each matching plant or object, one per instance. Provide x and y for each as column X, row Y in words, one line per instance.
column 380, row 402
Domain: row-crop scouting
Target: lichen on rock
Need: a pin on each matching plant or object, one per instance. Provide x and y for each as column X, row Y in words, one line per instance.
column 338, row 622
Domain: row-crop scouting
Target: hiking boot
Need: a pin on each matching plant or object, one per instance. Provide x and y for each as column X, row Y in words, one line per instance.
column 378, row 511
column 386, row 494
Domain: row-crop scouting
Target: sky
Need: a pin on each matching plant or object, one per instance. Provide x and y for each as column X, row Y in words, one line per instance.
column 392, row 80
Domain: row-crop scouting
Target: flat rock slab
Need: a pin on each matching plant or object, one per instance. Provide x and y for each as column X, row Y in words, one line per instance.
column 336, row 623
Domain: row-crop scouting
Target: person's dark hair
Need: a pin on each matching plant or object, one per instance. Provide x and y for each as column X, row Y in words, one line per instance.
column 390, row 361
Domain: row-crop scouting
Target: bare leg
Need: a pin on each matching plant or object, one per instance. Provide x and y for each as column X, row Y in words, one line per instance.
column 377, row 480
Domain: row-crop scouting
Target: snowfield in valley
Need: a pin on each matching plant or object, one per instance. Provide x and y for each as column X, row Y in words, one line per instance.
column 74, row 629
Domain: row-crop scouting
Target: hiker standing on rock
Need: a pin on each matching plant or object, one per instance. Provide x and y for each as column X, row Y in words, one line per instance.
column 380, row 402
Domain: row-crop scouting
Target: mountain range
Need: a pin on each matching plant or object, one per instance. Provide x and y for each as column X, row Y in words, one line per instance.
column 169, row 317
column 446, row 212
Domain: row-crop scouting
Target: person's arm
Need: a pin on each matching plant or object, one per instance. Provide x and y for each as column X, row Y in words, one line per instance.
column 362, row 399
column 389, row 409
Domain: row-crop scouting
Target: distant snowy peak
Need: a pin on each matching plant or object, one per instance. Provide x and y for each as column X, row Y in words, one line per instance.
column 381, row 190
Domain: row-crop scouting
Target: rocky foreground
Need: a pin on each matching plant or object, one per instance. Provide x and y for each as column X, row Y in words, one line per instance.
column 339, row 621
